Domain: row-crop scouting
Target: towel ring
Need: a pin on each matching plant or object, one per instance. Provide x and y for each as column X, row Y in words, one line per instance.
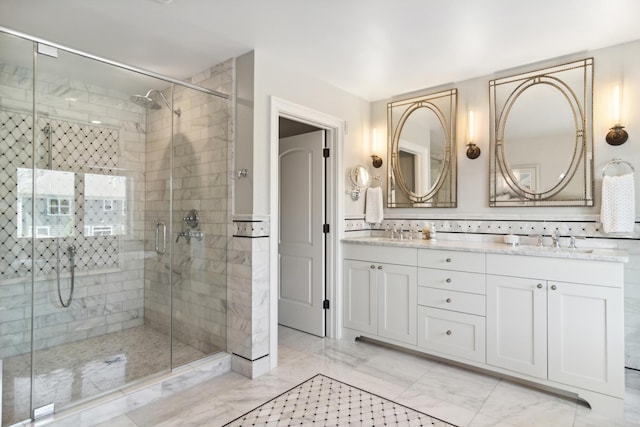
column 617, row 162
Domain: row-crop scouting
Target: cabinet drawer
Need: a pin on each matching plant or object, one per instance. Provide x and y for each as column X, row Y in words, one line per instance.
column 452, row 260
column 453, row 280
column 452, row 300
column 601, row 273
column 452, row 333
column 386, row 254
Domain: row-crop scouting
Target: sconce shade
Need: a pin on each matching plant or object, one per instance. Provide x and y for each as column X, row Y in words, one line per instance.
column 617, row 135
column 473, row 151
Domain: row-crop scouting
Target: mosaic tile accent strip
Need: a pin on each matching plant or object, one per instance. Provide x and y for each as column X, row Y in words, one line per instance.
column 324, row 401
column 251, row 229
column 590, row 229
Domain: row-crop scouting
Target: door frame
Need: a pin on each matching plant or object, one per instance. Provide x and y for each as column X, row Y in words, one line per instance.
column 335, row 130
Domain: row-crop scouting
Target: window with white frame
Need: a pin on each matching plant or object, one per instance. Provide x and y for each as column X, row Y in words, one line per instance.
column 58, row 206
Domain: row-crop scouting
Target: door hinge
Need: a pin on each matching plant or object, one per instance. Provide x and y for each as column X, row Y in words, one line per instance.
column 325, row 228
column 325, row 304
column 325, row 152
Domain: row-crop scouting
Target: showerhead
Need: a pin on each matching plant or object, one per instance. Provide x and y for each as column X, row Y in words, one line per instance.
column 145, row 101
column 149, row 103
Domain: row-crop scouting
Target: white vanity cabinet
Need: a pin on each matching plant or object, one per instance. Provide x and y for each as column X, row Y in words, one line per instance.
column 380, row 291
column 559, row 320
column 555, row 319
column 451, row 303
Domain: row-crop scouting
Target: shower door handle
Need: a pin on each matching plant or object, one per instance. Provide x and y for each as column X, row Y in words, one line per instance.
column 163, row 226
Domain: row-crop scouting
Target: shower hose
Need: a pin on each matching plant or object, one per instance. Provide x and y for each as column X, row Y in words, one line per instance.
column 71, row 251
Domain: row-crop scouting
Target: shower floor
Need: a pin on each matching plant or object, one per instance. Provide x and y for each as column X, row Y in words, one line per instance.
column 83, row 369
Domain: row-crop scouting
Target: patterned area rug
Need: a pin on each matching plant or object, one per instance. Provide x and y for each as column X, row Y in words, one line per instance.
column 323, row 401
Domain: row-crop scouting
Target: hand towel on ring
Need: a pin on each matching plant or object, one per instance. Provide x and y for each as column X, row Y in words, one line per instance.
column 617, row 211
column 373, row 205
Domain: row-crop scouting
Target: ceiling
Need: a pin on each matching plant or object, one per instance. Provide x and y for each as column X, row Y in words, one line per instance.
column 371, row 48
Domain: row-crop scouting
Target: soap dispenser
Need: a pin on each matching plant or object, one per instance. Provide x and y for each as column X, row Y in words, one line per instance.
column 433, row 232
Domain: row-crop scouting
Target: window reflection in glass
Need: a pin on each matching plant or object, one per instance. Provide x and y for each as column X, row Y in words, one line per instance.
column 105, row 205
column 54, row 204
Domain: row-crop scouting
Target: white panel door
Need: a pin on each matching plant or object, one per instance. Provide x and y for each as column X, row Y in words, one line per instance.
column 301, row 241
column 586, row 321
column 397, row 298
column 517, row 324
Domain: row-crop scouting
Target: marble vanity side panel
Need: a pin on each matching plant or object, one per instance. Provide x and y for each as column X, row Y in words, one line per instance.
column 260, row 298
column 239, row 297
column 632, row 304
column 248, row 295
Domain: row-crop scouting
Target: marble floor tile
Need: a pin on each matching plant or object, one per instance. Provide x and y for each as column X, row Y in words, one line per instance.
column 456, row 395
column 527, row 407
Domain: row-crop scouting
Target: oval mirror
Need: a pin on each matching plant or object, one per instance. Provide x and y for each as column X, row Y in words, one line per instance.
column 360, row 177
column 541, row 141
column 421, row 135
column 540, row 121
column 421, row 151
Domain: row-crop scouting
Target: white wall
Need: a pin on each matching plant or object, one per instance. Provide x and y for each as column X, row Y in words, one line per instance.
column 614, row 65
column 274, row 79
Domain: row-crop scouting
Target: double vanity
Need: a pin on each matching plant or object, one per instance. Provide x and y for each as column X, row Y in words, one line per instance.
column 551, row 317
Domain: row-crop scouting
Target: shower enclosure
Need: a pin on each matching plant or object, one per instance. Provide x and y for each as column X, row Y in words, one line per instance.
column 113, row 223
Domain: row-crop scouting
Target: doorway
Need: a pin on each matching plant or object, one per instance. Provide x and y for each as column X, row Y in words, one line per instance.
column 334, row 131
column 301, row 237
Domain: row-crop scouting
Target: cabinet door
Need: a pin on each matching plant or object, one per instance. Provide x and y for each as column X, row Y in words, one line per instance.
column 360, row 296
column 586, row 343
column 517, row 324
column 397, row 296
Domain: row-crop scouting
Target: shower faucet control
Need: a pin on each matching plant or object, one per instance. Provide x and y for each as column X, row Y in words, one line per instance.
column 188, row 234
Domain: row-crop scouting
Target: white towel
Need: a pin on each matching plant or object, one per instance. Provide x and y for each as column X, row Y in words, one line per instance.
column 373, row 205
column 618, row 209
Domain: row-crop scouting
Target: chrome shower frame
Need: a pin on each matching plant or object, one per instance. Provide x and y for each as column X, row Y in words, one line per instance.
column 115, row 63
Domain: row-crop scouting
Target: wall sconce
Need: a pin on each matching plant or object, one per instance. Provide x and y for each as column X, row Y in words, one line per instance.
column 473, row 151
column 376, row 160
column 617, row 135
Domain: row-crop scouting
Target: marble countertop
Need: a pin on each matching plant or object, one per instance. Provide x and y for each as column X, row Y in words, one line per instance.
column 593, row 254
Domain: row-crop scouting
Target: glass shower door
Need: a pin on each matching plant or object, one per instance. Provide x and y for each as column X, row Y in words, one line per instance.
column 89, row 212
column 199, row 243
column 16, row 159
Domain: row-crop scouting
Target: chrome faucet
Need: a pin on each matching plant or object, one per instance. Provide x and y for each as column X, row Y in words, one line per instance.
column 555, row 239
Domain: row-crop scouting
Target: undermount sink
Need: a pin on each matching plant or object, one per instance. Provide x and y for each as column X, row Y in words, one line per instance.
column 558, row 250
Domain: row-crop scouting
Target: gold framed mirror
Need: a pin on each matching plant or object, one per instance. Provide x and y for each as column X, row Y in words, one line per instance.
column 421, row 135
column 541, row 151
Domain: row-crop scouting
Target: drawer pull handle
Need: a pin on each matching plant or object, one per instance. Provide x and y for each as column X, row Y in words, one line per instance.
column 554, row 287
column 372, row 267
column 379, row 267
column 448, row 260
column 448, row 300
column 449, row 332
column 539, row 286
column 448, row 280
